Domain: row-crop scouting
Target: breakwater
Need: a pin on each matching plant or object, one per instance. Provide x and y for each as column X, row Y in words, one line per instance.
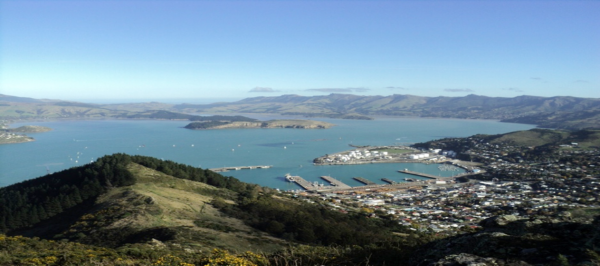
column 235, row 168
column 406, row 171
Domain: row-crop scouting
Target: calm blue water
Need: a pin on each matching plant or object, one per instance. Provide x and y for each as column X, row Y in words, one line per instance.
column 75, row 143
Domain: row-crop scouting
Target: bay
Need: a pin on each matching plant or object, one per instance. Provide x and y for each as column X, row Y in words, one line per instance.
column 75, row 143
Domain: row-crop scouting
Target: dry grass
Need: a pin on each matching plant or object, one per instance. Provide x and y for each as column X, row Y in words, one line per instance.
column 160, row 200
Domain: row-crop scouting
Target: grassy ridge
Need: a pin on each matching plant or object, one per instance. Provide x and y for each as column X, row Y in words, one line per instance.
column 540, row 137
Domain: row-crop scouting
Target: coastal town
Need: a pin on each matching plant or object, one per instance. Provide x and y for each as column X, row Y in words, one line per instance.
column 515, row 182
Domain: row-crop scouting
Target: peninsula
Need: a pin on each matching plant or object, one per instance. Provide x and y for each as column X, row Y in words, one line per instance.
column 16, row 135
column 302, row 124
column 28, row 129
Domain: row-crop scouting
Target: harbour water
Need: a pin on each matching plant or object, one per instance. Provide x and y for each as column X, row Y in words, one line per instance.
column 75, row 143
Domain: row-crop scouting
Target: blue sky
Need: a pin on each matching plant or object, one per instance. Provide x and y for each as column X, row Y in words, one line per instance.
column 166, row 50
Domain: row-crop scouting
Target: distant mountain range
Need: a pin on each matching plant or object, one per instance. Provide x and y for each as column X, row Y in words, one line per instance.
column 562, row 112
column 554, row 112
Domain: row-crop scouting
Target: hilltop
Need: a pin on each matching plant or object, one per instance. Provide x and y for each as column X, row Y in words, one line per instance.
column 123, row 200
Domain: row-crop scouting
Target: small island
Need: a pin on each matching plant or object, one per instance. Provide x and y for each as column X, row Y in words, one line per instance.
column 303, row 124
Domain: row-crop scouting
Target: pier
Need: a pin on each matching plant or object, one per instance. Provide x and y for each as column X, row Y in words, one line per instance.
column 405, row 171
column 235, row 168
column 364, row 180
column 334, row 182
column 389, row 181
column 338, row 186
column 301, row 182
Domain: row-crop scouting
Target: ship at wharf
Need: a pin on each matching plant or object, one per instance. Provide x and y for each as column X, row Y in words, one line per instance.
column 235, row 168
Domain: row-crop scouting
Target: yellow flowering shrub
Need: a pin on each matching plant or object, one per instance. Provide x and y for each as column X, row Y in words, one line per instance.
column 170, row 260
column 221, row 257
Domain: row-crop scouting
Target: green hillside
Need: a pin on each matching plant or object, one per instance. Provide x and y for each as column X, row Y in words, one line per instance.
column 121, row 200
column 540, row 137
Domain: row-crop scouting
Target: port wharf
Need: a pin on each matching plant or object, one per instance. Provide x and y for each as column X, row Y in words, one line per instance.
column 406, row 171
column 334, row 182
column 235, row 168
column 364, row 181
column 339, row 186
column 388, row 181
column 308, row 186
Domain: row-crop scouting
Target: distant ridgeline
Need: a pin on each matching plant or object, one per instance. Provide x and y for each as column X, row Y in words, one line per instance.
column 562, row 112
column 551, row 112
column 179, row 116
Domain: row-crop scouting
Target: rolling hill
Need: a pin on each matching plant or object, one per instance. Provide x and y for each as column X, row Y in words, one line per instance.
column 561, row 112
column 554, row 112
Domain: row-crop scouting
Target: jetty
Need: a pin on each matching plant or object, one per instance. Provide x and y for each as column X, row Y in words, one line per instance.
column 334, row 182
column 389, row 181
column 406, row 171
column 301, row 182
column 235, row 168
column 364, row 180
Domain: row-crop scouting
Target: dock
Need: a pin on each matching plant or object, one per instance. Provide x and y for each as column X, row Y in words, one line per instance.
column 405, row 171
column 364, row 180
column 235, row 168
column 302, row 183
column 389, row 181
column 334, row 182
